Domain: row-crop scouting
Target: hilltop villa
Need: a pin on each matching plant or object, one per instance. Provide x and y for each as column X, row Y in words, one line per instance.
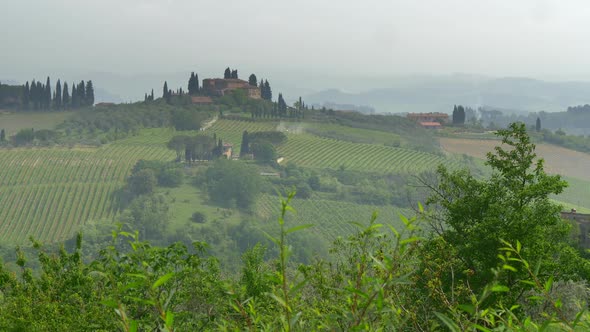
column 219, row 86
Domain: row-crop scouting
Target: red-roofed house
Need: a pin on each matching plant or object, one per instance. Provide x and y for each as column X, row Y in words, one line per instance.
column 219, row 86
column 431, row 125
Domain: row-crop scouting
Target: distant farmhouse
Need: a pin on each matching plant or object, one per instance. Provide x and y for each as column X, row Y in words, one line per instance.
column 217, row 87
column 429, row 120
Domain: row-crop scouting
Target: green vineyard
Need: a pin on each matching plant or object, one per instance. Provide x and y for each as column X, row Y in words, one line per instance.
column 316, row 152
column 331, row 218
column 48, row 193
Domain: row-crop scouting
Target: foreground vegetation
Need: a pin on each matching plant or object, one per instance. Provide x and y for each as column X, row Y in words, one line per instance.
column 500, row 258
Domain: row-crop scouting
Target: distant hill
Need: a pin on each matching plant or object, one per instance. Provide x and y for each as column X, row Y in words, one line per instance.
column 440, row 94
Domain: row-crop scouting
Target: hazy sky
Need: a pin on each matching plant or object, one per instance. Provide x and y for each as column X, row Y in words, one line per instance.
column 535, row 38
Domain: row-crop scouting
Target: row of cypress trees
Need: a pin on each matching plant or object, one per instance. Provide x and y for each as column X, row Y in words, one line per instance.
column 39, row 96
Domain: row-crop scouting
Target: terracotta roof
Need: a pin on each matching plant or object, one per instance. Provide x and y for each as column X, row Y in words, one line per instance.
column 430, row 124
column 201, row 100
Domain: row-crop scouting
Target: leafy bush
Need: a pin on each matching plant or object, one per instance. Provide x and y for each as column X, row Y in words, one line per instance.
column 199, row 217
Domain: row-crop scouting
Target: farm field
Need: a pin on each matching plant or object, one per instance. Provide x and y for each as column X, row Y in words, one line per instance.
column 331, row 219
column 558, row 160
column 13, row 122
column 317, row 152
column 48, row 193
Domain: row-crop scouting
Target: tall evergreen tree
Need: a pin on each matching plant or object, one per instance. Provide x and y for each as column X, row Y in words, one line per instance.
column 165, row 90
column 26, row 95
column 65, row 99
column 234, row 73
column 538, row 124
column 57, row 101
column 47, row 99
column 461, row 114
column 191, row 84
column 267, row 91
column 75, row 97
column 245, row 148
column 227, row 73
column 81, row 90
column 252, row 80
column 2, row 135
column 89, row 100
column 152, row 95
column 455, row 116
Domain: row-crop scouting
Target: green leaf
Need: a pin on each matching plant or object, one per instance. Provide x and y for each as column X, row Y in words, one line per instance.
column 500, row 288
column 298, row 228
column 481, row 328
column 468, row 308
column 169, row 319
column 110, row 303
column 448, row 322
column 163, row 279
column 420, row 207
column 410, row 240
column 278, row 299
column 508, row 267
column 548, row 284
column 133, row 326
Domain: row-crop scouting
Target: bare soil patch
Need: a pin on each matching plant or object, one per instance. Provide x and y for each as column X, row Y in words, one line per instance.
column 558, row 160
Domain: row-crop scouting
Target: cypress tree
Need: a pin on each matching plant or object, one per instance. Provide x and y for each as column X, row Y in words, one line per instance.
column 2, row 135
column 227, row 73
column 26, row 95
column 145, row 98
column 252, row 80
column 89, row 93
column 47, row 98
column 461, row 114
column 165, row 90
column 65, row 99
column 191, row 84
column 197, row 83
column 75, row 98
column 538, row 124
column 152, row 95
column 33, row 95
column 57, row 102
column 234, row 73
column 244, row 148
column 455, row 116
column 267, row 91
column 81, row 90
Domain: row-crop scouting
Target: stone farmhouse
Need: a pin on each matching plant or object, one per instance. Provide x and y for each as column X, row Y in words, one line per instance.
column 429, row 120
column 217, row 87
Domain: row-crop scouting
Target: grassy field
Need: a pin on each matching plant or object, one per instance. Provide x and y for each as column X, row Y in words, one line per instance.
column 13, row 122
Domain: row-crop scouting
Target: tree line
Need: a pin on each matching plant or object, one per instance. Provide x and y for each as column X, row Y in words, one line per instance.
column 39, row 96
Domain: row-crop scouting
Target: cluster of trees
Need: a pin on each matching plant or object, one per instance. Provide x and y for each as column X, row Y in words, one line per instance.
column 280, row 109
column 27, row 136
column 262, row 145
column 10, row 96
column 39, row 96
column 193, row 84
column 229, row 73
column 265, row 90
column 458, row 115
column 149, row 97
column 195, row 148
